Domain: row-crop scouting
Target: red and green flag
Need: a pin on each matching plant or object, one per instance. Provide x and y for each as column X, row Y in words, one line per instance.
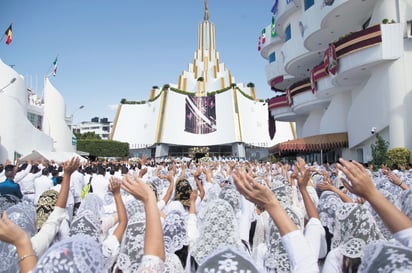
column 55, row 67
column 263, row 35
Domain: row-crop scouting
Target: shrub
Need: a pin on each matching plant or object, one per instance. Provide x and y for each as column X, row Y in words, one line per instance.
column 397, row 156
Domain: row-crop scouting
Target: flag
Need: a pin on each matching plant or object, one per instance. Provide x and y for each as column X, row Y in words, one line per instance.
column 259, row 44
column 9, row 34
column 55, row 67
column 274, row 9
column 273, row 27
column 263, row 36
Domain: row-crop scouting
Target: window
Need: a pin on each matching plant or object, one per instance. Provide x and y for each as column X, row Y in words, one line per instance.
column 288, row 34
column 309, row 3
column 272, row 57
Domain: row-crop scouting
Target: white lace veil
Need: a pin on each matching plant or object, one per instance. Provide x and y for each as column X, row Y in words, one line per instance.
column 355, row 228
column 231, row 195
column 173, row 264
column 86, row 222
column 76, row 254
column 93, row 203
column 276, row 259
column 230, row 260
column 219, row 229
column 23, row 215
column 175, row 231
column 132, row 246
column 389, row 256
column 329, row 202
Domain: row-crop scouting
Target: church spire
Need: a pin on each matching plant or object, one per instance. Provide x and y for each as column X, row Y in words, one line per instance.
column 206, row 32
column 206, row 14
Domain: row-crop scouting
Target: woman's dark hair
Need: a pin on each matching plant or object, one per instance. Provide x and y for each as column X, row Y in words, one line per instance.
column 350, row 265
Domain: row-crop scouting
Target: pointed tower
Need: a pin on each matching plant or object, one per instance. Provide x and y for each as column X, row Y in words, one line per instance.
column 206, row 72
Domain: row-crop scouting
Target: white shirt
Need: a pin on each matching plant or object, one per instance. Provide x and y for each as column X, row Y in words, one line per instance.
column 100, row 185
column 76, row 184
column 45, row 236
column 41, row 184
column 27, row 183
column 301, row 257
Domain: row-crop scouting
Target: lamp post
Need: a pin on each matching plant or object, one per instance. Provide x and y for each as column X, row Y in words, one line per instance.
column 72, row 115
column 7, row 85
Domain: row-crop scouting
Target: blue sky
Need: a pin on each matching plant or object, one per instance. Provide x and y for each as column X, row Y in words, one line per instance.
column 109, row 50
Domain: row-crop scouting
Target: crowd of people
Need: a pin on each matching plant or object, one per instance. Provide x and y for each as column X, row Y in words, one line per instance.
column 211, row 215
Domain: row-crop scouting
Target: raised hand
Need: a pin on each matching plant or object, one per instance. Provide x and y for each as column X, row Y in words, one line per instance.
column 360, row 182
column 136, row 187
column 71, row 165
column 114, row 185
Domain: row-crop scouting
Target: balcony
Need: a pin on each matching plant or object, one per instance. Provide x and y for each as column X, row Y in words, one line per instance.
column 277, row 77
column 358, row 52
column 284, row 11
column 325, row 23
column 280, row 108
column 304, row 100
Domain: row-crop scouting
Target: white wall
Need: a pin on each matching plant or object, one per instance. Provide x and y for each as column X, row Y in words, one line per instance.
column 16, row 132
column 54, row 119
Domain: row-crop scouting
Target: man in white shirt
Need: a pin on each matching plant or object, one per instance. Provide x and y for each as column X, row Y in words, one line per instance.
column 42, row 184
column 100, row 183
column 76, row 185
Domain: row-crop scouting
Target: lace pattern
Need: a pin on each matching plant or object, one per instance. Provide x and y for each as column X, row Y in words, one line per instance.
column 86, row 222
column 355, row 228
column 231, row 195
column 93, row 203
column 131, row 248
column 74, row 254
column 174, row 231
column 150, row 264
column 329, row 202
column 405, row 200
column 229, row 260
column 6, row 201
column 276, row 258
column 389, row 256
column 173, row 264
column 24, row 216
column 218, row 230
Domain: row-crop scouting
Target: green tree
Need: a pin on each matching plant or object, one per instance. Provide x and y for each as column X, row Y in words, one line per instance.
column 379, row 150
column 103, row 148
column 87, row 135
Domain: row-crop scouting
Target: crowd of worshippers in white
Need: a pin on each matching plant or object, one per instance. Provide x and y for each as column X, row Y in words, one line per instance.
column 207, row 216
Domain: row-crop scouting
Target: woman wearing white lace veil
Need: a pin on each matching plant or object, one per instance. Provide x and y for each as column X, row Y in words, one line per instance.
column 75, row 254
column 175, row 231
column 228, row 259
column 389, row 256
column 219, row 228
column 132, row 246
column 147, row 234
column 23, row 215
column 355, row 228
column 276, row 258
column 329, row 202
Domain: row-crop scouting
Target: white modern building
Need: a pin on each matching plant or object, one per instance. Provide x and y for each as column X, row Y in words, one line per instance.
column 342, row 69
column 32, row 127
column 206, row 113
column 99, row 126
